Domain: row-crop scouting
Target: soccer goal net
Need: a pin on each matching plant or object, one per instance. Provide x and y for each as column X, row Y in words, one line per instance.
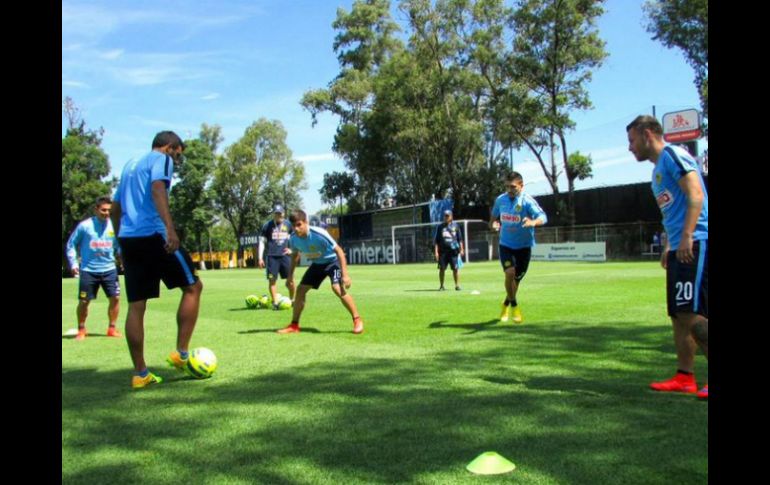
column 414, row 243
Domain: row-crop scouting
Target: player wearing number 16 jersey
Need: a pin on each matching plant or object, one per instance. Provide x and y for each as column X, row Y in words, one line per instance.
column 681, row 195
column 326, row 259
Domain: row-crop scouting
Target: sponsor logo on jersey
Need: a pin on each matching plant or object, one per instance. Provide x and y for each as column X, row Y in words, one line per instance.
column 100, row 244
column 517, row 208
column 664, row 199
column 514, row 218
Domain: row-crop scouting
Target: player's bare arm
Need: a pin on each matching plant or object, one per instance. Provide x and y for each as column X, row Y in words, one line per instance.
column 115, row 214
column 294, row 263
column 690, row 185
column 160, row 197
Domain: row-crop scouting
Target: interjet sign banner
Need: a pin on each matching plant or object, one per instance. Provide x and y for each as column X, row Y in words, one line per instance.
column 681, row 126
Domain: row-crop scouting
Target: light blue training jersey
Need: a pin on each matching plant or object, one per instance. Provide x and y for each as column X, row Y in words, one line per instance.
column 96, row 243
column 139, row 215
column 511, row 213
column 318, row 246
column 673, row 164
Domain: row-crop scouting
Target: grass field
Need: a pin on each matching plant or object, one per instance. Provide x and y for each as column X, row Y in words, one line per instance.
column 434, row 381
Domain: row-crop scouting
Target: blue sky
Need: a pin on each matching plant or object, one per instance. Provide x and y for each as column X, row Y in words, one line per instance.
column 135, row 68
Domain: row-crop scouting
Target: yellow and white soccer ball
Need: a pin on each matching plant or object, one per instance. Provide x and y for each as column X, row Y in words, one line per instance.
column 264, row 301
column 252, row 301
column 284, row 303
column 201, row 363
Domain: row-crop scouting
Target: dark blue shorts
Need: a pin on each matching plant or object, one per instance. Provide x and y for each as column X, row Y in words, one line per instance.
column 687, row 284
column 146, row 263
column 90, row 283
column 448, row 258
column 316, row 274
column 516, row 258
column 278, row 265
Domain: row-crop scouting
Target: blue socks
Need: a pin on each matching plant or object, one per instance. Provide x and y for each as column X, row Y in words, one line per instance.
column 182, row 354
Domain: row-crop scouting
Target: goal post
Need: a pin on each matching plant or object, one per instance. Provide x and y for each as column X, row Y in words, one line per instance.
column 417, row 240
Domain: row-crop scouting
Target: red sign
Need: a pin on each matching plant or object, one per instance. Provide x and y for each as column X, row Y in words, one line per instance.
column 681, row 126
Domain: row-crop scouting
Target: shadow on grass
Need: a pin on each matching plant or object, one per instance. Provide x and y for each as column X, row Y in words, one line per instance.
column 473, row 327
column 90, row 334
column 581, row 417
column 273, row 330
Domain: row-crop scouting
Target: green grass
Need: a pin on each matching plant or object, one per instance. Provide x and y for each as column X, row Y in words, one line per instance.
column 433, row 382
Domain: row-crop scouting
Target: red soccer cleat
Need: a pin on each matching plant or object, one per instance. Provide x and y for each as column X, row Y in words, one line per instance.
column 293, row 328
column 113, row 332
column 678, row 383
column 358, row 325
column 81, row 334
column 703, row 393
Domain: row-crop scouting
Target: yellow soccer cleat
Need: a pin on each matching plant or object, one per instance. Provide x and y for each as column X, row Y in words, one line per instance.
column 139, row 382
column 504, row 313
column 176, row 361
column 516, row 315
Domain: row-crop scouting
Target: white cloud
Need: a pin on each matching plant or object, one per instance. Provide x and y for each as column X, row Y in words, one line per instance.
column 112, row 55
column 318, row 157
column 210, row 97
column 75, row 84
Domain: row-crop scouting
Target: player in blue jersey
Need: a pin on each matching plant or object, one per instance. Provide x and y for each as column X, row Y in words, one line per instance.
column 448, row 246
column 96, row 242
column 276, row 233
column 681, row 195
column 326, row 259
column 515, row 214
column 151, row 252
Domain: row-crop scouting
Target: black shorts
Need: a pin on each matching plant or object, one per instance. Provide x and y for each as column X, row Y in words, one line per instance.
column 146, row 263
column 90, row 283
column 316, row 274
column 687, row 284
column 278, row 265
column 517, row 258
column 448, row 258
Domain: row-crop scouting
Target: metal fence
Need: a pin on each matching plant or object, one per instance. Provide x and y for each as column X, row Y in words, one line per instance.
column 628, row 241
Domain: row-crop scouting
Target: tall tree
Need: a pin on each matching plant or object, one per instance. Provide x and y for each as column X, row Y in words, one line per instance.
column 365, row 40
column 83, row 169
column 337, row 186
column 254, row 173
column 211, row 135
column 556, row 48
column 191, row 199
column 684, row 24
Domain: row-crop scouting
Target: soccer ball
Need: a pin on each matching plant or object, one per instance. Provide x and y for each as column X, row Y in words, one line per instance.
column 284, row 303
column 264, row 301
column 252, row 301
column 201, row 363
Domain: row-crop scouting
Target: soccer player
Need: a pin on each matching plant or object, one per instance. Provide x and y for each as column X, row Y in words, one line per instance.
column 681, row 195
column 276, row 232
column 95, row 240
column 151, row 251
column 448, row 245
column 327, row 259
column 515, row 214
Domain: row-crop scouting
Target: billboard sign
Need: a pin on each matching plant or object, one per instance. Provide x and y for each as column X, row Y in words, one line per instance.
column 682, row 126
